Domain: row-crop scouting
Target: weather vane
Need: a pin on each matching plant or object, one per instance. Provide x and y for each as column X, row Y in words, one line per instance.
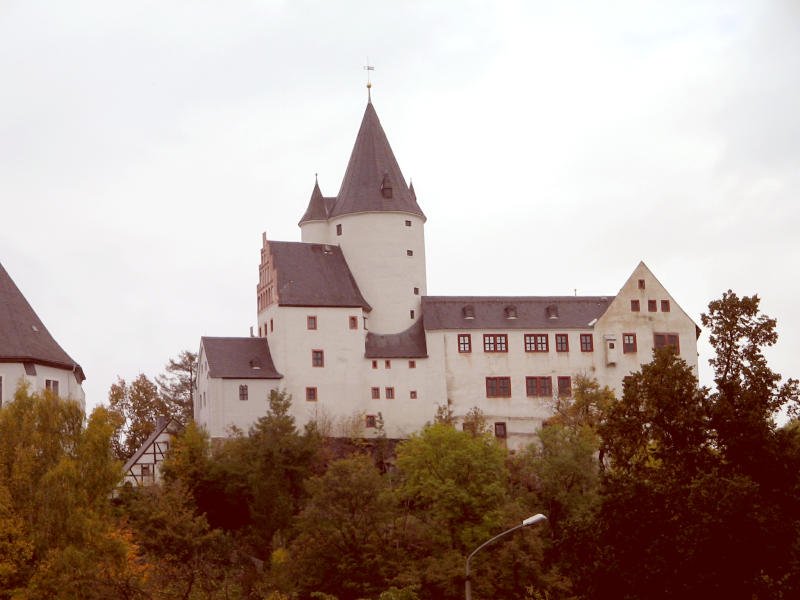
column 368, row 67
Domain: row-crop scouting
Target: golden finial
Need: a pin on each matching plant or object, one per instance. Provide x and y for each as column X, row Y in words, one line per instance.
column 368, row 67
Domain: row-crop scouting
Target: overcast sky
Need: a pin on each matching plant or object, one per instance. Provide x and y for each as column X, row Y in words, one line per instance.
column 144, row 147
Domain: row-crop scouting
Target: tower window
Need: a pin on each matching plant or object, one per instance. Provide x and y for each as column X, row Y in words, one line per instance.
column 317, row 358
column 353, row 322
column 409, row 253
column 411, row 313
column 408, row 223
column 412, row 394
column 416, row 291
column 412, row 364
column 51, row 385
column 339, row 229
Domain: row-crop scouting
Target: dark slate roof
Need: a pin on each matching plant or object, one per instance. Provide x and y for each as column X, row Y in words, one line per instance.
column 23, row 336
column 239, row 358
column 532, row 312
column 314, row 275
column 319, row 206
column 373, row 166
column 406, row 344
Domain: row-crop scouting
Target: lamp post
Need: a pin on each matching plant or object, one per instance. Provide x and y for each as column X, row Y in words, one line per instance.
column 526, row 523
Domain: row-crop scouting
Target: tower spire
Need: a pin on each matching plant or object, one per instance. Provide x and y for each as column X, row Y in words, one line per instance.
column 368, row 67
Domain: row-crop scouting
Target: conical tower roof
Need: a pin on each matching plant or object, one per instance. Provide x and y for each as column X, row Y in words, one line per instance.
column 317, row 207
column 23, row 336
column 373, row 181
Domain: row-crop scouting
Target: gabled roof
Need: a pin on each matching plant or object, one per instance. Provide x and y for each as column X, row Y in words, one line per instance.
column 513, row 312
column 314, row 275
column 239, row 358
column 406, row 344
column 318, row 206
column 373, row 181
column 169, row 424
column 23, row 336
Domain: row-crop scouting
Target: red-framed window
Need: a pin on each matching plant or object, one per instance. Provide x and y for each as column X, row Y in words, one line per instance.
column 317, row 358
column 587, row 342
column 464, row 343
column 374, row 364
column 498, row 387
column 635, row 307
column 412, row 394
column 628, row 343
column 665, row 306
column 311, row 322
column 389, row 393
column 370, row 421
column 562, row 342
column 539, row 387
column 416, row 291
column 652, row 306
column 641, row 284
column 537, row 342
column 311, row 394
column 667, row 339
column 500, row 430
column 353, row 322
column 495, row 342
column 412, row 364
column 387, row 364
column 376, row 393
column 564, row 386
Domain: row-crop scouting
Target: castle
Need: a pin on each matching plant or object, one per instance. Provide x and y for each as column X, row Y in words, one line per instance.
column 29, row 353
column 345, row 325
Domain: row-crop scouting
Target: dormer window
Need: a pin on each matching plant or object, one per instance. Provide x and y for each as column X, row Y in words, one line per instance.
column 255, row 363
column 510, row 312
column 386, row 186
column 552, row 312
column 468, row 311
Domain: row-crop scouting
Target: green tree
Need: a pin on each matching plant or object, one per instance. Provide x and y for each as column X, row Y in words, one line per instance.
column 176, row 385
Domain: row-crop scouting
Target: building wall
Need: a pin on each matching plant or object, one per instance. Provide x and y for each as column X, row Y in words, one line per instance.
column 376, row 247
column 147, row 469
column 12, row 373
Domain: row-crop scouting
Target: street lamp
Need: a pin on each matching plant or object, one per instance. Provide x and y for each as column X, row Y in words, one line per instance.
column 526, row 523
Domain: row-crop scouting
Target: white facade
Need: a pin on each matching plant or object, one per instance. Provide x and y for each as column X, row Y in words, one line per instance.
column 60, row 381
column 396, row 355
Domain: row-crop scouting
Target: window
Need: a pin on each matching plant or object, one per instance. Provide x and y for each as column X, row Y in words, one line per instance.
column 311, row 394
column 390, row 393
column 464, row 343
column 498, row 387
column 387, row 364
column 376, row 393
column 562, row 342
column 259, row 331
column 641, row 284
column 412, row 364
column 495, row 342
column 370, row 421
column 651, row 306
column 412, row 394
column 353, row 321
column 1, row 392
column 311, row 322
column 536, row 342
column 628, row 343
column 317, row 358
column 539, row 387
column 411, row 313
column 665, row 306
column 635, row 306
column 145, row 469
column 243, row 392
column 409, row 253
column 587, row 342
column 500, row 430
column 408, row 223
column 564, row 386
column 270, row 326
column 667, row 339
column 339, row 229
column 374, row 364
column 416, row 291
column 52, row 385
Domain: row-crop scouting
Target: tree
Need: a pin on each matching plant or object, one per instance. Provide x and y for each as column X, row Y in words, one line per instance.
column 176, row 386
column 139, row 406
